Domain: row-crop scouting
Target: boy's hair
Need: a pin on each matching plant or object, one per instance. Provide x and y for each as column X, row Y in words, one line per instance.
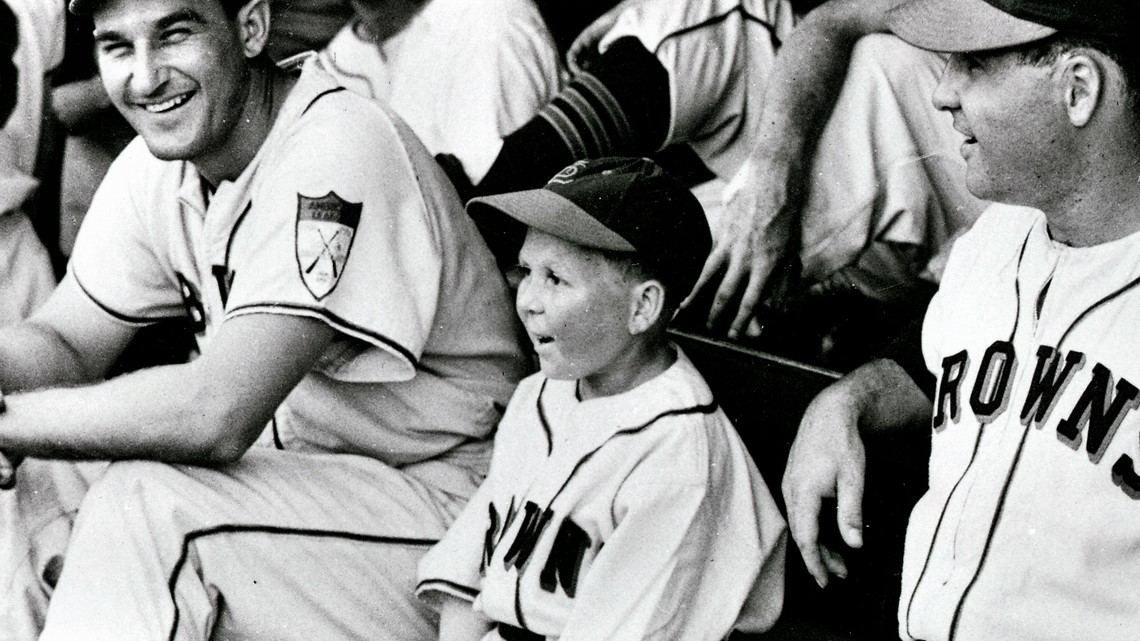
column 633, row 270
column 9, row 74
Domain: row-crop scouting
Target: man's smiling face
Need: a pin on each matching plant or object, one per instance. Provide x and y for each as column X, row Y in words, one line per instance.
column 176, row 70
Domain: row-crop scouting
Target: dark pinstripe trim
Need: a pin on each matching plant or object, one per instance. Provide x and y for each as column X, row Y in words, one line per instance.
column 610, row 104
column 336, row 321
column 990, row 535
column 436, row 583
column 190, row 537
column 319, row 96
column 134, row 320
column 543, row 420
column 557, row 119
column 696, row 409
column 233, row 232
column 714, row 20
column 937, row 530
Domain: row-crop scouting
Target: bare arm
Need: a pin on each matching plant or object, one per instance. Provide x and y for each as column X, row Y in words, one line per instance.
column 209, row 410
column 458, row 621
column 828, row 460
column 761, row 228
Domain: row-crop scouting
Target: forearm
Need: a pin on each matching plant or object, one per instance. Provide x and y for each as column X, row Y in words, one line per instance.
column 807, row 76
column 883, row 396
column 163, row 413
column 34, row 356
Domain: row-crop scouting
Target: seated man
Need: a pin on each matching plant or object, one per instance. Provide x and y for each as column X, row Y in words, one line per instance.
column 1030, row 524
column 357, row 349
column 764, row 104
column 461, row 73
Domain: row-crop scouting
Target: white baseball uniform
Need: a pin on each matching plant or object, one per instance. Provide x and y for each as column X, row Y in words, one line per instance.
column 633, row 516
column 1030, row 527
column 462, row 73
column 345, row 218
column 885, row 176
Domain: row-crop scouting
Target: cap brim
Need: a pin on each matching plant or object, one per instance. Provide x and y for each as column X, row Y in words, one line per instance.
column 79, row 7
column 558, row 216
column 955, row 26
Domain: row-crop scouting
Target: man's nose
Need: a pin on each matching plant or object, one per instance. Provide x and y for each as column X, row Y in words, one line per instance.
column 945, row 97
column 148, row 72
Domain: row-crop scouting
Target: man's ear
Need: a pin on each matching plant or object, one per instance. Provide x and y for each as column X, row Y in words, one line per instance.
column 1083, row 81
column 253, row 21
column 647, row 302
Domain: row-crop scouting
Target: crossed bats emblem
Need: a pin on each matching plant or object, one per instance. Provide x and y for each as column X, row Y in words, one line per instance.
column 326, row 229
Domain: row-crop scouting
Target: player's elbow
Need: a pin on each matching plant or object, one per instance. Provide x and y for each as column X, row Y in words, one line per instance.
column 220, row 424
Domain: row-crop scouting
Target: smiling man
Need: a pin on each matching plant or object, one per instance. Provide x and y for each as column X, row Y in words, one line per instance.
column 1030, row 526
column 356, row 348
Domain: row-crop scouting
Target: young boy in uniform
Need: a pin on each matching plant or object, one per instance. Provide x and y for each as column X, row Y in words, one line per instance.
column 621, row 503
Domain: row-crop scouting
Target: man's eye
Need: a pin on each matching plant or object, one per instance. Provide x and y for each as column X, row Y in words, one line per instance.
column 113, row 49
column 176, row 35
column 553, row 279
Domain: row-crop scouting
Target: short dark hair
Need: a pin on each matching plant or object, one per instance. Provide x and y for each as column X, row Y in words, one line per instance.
column 9, row 74
column 1125, row 55
column 635, row 270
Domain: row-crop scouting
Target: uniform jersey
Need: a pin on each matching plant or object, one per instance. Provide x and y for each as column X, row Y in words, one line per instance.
column 462, row 73
column 633, row 516
column 1031, row 524
column 709, row 48
column 426, row 353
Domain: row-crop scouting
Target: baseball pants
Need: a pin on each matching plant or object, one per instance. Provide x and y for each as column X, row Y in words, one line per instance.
column 280, row 545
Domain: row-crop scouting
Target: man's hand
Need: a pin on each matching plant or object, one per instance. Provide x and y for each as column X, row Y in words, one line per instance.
column 827, row 460
column 755, row 255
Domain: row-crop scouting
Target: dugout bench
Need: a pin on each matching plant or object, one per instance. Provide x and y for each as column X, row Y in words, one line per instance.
column 765, row 396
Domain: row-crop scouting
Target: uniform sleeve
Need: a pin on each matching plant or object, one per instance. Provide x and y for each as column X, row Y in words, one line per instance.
column 453, row 565
column 118, row 259
column 684, row 558
column 339, row 231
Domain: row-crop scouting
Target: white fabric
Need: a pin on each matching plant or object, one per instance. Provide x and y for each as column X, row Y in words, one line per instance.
column 40, row 51
column 672, row 515
column 463, row 74
column 1029, row 530
column 26, row 276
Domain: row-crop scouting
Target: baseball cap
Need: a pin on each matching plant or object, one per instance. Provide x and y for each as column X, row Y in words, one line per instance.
column 978, row 25
column 618, row 204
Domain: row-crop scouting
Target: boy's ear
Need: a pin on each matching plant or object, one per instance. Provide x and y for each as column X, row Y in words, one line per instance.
column 647, row 302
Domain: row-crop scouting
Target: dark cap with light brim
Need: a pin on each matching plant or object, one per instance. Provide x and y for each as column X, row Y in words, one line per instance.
column 978, row 25
column 621, row 205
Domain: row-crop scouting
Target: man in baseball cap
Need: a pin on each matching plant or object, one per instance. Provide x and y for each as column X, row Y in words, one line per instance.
column 1030, row 524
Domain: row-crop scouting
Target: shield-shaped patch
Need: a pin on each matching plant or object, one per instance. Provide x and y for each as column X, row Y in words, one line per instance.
column 326, row 226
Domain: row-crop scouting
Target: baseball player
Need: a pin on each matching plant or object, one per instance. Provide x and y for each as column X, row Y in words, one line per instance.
column 1029, row 526
column 356, row 348
column 621, row 503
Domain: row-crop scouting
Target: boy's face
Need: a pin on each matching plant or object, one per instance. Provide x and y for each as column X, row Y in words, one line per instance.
column 176, row 70
column 575, row 306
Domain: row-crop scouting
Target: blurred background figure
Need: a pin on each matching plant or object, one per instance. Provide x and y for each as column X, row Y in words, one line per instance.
column 28, row 33
column 461, row 73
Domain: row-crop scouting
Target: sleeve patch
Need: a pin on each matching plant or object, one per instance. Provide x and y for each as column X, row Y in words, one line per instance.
column 326, row 227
